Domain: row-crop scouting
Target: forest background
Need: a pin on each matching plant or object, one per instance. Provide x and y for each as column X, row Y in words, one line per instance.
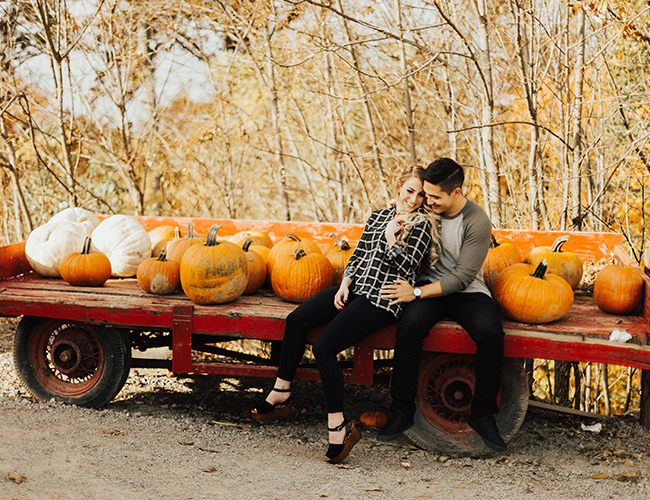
column 305, row 109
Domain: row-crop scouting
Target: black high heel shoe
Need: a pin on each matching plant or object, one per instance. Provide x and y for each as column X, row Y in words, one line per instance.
column 338, row 452
column 265, row 411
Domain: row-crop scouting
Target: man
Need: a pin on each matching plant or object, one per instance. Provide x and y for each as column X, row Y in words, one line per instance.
column 453, row 288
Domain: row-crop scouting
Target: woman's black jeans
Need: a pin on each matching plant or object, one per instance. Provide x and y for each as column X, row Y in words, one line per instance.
column 358, row 319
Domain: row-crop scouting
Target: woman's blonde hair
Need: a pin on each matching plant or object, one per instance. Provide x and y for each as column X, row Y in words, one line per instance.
column 420, row 215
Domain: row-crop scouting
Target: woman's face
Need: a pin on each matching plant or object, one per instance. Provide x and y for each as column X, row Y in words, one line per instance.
column 410, row 196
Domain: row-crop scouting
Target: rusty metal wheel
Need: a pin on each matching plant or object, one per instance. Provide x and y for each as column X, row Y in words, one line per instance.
column 76, row 363
column 445, row 391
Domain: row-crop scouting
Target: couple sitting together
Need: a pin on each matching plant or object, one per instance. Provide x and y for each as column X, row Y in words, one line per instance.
column 415, row 263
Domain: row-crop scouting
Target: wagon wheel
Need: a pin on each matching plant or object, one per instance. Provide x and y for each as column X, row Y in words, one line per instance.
column 445, row 391
column 75, row 363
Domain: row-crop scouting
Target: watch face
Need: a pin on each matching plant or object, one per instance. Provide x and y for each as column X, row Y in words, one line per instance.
column 417, row 292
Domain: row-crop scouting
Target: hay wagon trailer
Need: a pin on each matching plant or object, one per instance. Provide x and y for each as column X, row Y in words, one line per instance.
column 75, row 344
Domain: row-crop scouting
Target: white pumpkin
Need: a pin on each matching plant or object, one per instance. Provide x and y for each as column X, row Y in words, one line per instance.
column 48, row 244
column 124, row 241
column 77, row 214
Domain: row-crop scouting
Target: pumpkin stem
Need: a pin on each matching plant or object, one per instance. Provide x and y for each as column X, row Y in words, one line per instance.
column 292, row 236
column 342, row 244
column 177, row 233
column 162, row 256
column 247, row 244
column 86, row 248
column 557, row 245
column 299, row 254
column 541, row 270
column 211, row 240
column 190, row 231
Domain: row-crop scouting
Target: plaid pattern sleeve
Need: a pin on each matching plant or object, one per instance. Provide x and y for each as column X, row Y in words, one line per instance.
column 374, row 263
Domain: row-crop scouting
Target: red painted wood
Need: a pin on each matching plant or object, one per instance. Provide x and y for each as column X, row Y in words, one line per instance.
column 182, row 338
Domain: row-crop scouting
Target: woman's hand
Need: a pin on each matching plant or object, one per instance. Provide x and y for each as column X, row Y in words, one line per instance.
column 341, row 296
column 399, row 290
column 393, row 227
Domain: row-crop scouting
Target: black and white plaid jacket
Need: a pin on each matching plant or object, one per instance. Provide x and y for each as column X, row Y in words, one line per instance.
column 374, row 264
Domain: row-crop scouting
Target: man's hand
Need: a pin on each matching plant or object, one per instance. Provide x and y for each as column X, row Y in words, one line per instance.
column 399, row 291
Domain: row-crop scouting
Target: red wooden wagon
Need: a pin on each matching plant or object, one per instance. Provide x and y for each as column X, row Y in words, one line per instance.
column 75, row 344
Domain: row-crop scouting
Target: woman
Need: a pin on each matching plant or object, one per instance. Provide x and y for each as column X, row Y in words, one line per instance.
column 393, row 243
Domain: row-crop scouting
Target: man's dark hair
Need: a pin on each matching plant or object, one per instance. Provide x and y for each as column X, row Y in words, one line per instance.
column 444, row 173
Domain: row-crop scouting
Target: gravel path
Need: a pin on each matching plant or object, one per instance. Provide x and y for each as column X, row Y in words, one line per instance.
column 187, row 438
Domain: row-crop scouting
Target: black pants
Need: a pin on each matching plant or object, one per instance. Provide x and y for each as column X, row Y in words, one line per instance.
column 478, row 314
column 358, row 319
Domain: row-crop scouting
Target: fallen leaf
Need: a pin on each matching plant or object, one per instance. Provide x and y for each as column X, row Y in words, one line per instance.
column 372, row 489
column 599, row 476
column 528, row 489
column 629, row 462
column 114, row 433
column 346, row 466
column 186, row 443
column 633, row 478
column 230, row 424
column 212, row 468
column 324, row 495
column 208, row 450
column 16, row 478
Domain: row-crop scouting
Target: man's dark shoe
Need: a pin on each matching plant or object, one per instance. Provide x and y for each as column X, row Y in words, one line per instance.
column 486, row 427
column 397, row 423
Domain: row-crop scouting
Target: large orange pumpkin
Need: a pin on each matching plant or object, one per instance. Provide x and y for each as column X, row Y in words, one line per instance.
column 177, row 248
column 619, row 289
column 214, row 273
column 85, row 268
column 302, row 275
column 256, row 268
column 566, row 265
column 258, row 237
column 339, row 255
column 158, row 275
column 502, row 254
column 287, row 246
column 531, row 295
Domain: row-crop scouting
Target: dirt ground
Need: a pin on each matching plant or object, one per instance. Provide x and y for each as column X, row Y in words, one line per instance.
column 187, row 438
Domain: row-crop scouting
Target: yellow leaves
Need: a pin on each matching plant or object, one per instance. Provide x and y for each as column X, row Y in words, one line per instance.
column 16, row 478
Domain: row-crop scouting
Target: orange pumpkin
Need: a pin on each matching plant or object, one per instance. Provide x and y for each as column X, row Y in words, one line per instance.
column 177, row 248
column 502, row 254
column 373, row 419
column 287, row 247
column 531, row 295
column 619, row 289
column 256, row 268
column 258, row 237
column 214, row 273
column 566, row 265
column 158, row 275
column 302, row 275
column 162, row 244
column 85, row 268
column 161, row 233
column 339, row 255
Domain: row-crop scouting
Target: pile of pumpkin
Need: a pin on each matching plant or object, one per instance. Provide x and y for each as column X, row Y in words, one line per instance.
column 540, row 287
column 77, row 247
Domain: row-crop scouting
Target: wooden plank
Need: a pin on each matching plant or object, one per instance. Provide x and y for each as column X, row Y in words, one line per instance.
column 563, row 409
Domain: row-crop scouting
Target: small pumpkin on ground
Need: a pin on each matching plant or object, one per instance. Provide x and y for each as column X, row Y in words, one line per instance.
column 566, row 265
column 177, row 248
column 258, row 237
column 339, row 255
column 531, row 295
column 619, row 289
column 158, row 275
column 287, row 247
column 302, row 275
column 214, row 273
column 85, row 268
column 256, row 268
column 373, row 419
column 501, row 255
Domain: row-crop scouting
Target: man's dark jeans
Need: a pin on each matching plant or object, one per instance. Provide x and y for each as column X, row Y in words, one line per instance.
column 479, row 315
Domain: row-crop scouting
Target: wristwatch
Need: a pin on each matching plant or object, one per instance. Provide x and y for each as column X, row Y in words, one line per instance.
column 417, row 291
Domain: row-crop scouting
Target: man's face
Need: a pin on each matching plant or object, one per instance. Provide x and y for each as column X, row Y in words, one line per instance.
column 439, row 201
